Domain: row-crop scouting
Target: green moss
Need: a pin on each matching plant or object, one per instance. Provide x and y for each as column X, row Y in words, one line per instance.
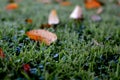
column 79, row 57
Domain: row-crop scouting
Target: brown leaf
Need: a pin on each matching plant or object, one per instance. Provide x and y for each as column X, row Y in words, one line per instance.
column 53, row 18
column 42, row 36
column 28, row 20
column 90, row 4
column 2, row 55
column 26, row 68
column 12, row 6
column 65, row 3
column 45, row 26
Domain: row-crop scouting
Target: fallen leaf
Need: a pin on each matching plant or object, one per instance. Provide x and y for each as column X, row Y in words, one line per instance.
column 2, row 55
column 42, row 36
column 99, row 11
column 89, row 4
column 96, row 18
column 65, row 3
column 53, row 18
column 45, row 26
column 26, row 68
column 28, row 20
column 77, row 13
column 12, row 6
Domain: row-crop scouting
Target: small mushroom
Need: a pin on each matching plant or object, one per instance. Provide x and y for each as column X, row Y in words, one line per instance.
column 53, row 18
column 77, row 13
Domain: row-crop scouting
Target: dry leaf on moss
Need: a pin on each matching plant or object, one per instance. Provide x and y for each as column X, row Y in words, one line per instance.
column 12, row 6
column 28, row 20
column 26, row 68
column 45, row 26
column 2, row 55
column 65, row 3
column 89, row 4
column 42, row 36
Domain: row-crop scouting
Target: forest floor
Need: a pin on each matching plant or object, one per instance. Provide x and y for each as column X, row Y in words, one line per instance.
column 84, row 50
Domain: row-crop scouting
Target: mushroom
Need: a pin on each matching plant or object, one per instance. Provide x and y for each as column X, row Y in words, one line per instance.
column 77, row 13
column 53, row 18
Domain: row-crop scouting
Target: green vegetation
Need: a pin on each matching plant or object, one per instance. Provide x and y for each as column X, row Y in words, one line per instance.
column 74, row 56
